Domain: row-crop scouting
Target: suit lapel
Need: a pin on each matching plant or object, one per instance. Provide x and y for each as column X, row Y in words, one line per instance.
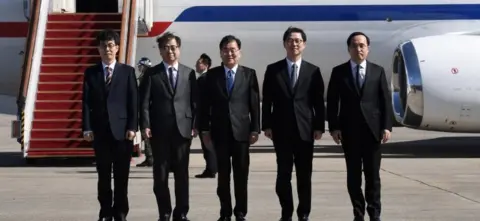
column 368, row 78
column 180, row 81
column 164, row 77
column 285, row 77
column 116, row 72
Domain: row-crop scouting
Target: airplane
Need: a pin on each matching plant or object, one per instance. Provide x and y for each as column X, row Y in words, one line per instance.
column 429, row 49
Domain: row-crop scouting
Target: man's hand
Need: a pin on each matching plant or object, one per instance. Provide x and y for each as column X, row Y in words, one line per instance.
column 337, row 136
column 88, row 136
column 253, row 137
column 386, row 136
column 147, row 133
column 268, row 133
column 194, row 132
column 317, row 135
column 129, row 135
column 206, row 137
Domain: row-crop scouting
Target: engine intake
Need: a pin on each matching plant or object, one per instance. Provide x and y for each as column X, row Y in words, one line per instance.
column 407, row 96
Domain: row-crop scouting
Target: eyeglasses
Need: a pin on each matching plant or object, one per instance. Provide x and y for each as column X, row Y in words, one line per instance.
column 294, row 40
column 170, row 47
column 107, row 46
column 230, row 50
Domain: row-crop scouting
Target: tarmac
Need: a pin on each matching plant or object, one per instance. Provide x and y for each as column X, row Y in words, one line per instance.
column 425, row 176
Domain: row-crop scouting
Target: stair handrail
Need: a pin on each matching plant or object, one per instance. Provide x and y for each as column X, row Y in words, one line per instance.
column 148, row 14
column 131, row 46
column 132, row 34
column 27, row 59
column 124, row 30
column 33, row 60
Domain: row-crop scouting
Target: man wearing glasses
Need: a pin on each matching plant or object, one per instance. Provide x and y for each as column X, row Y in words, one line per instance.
column 110, row 120
column 168, row 102
column 293, row 88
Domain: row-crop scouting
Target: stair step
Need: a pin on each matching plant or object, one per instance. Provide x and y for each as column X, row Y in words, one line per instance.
column 84, row 25
column 56, row 133
column 85, row 17
column 61, row 152
column 61, row 68
column 70, row 42
column 75, row 59
column 53, row 124
column 70, row 51
column 58, row 105
column 60, row 86
column 56, row 77
column 73, row 33
column 59, row 95
column 59, row 143
column 57, row 114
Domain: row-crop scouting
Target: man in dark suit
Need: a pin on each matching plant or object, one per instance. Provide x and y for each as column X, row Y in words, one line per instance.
column 294, row 89
column 359, row 117
column 202, row 66
column 143, row 64
column 110, row 120
column 230, row 117
column 168, row 102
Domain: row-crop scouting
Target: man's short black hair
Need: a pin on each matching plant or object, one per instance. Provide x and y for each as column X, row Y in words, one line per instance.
column 230, row 38
column 349, row 39
column 291, row 30
column 108, row 35
column 206, row 59
column 166, row 37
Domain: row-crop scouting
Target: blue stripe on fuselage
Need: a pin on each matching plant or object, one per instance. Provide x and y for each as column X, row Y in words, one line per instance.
column 307, row 13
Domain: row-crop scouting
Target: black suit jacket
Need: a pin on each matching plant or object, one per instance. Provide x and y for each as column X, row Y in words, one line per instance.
column 239, row 112
column 166, row 110
column 284, row 108
column 118, row 108
column 347, row 105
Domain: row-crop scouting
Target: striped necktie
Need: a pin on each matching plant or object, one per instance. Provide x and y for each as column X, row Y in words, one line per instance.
column 108, row 78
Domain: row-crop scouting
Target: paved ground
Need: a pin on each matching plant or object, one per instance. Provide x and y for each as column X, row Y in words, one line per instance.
column 425, row 176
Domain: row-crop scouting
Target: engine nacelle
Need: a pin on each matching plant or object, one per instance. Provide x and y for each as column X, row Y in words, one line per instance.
column 436, row 83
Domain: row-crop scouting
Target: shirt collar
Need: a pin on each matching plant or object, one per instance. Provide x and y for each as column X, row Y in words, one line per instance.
column 174, row 66
column 363, row 65
column 290, row 63
column 234, row 69
column 112, row 65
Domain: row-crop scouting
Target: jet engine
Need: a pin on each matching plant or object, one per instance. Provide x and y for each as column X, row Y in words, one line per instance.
column 436, row 83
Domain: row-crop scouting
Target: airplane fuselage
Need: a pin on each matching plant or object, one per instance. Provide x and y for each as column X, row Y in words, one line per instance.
column 260, row 26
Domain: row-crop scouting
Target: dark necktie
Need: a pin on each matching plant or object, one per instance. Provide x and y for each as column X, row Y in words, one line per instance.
column 170, row 77
column 229, row 81
column 293, row 75
column 359, row 79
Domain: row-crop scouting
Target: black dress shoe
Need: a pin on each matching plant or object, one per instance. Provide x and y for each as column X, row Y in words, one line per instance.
column 181, row 218
column 303, row 218
column 165, row 217
column 240, row 218
column 285, row 219
column 106, row 219
column 148, row 162
column 205, row 174
column 223, row 218
column 375, row 219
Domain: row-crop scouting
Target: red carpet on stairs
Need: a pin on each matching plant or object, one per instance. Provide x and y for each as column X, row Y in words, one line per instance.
column 69, row 48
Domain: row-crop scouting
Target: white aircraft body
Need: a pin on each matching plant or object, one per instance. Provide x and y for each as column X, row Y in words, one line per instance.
column 430, row 49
